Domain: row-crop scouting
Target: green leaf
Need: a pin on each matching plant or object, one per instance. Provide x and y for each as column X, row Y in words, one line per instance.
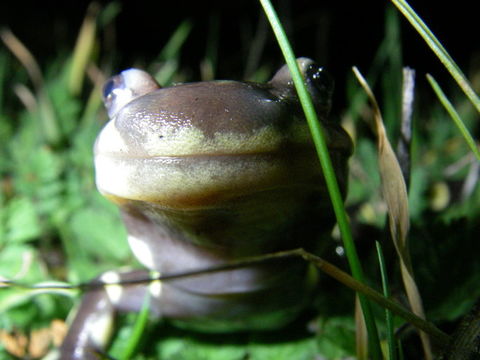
column 100, row 233
column 22, row 222
column 337, row 338
column 439, row 50
column 18, row 259
column 455, row 116
column 301, row 349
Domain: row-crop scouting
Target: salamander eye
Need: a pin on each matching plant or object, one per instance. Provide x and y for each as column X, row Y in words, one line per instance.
column 130, row 84
column 111, row 87
column 320, row 79
column 320, row 84
column 108, row 88
column 116, row 94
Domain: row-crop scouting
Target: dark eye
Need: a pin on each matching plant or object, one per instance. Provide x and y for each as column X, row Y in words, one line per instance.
column 320, row 85
column 320, row 81
column 108, row 88
column 112, row 84
column 112, row 94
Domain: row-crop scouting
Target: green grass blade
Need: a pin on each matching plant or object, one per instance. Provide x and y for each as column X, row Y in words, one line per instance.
column 209, row 63
column 92, row 106
column 138, row 330
column 439, row 50
column 83, row 50
column 400, row 352
column 392, row 353
column 454, row 115
column 3, row 71
column 169, row 55
column 46, row 113
column 439, row 336
column 322, row 151
column 176, row 41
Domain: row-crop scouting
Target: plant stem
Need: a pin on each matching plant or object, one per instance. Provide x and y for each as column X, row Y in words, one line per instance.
column 439, row 50
column 328, row 171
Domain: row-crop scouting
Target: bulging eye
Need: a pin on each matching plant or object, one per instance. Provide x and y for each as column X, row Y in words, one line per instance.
column 115, row 94
column 121, row 89
column 108, row 88
column 319, row 81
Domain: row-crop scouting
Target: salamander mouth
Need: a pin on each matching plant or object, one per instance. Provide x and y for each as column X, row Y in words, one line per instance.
column 175, row 158
column 167, row 179
column 224, row 166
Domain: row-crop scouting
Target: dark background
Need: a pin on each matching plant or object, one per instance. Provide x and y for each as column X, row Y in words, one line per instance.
column 337, row 34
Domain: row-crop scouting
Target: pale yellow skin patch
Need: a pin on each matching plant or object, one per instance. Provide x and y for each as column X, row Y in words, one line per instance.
column 165, row 172
column 171, row 140
column 103, row 326
column 155, row 286
column 162, row 179
column 190, row 140
column 110, row 141
column 112, row 285
column 122, row 98
column 142, row 251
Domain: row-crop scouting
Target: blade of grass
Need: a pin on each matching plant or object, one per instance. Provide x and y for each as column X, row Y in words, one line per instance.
column 439, row 50
column 465, row 342
column 400, row 351
column 3, row 71
column 384, row 61
column 252, row 63
column 176, row 41
column 327, row 168
column 169, row 55
column 24, row 56
column 454, row 115
column 208, row 66
column 94, row 101
column 49, row 122
column 391, row 73
column 392, row 353
column 394, row 192
column 361, row 332
column 138, row 329
column 83, row 50
column 440, row 337
column 405, row 139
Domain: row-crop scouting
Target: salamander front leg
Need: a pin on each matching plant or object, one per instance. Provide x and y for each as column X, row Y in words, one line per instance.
column 92, row 326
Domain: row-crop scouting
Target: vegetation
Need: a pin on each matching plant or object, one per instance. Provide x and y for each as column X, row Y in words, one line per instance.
column 55, row 229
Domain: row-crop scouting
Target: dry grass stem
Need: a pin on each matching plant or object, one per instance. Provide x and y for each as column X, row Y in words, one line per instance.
column 394, row 193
